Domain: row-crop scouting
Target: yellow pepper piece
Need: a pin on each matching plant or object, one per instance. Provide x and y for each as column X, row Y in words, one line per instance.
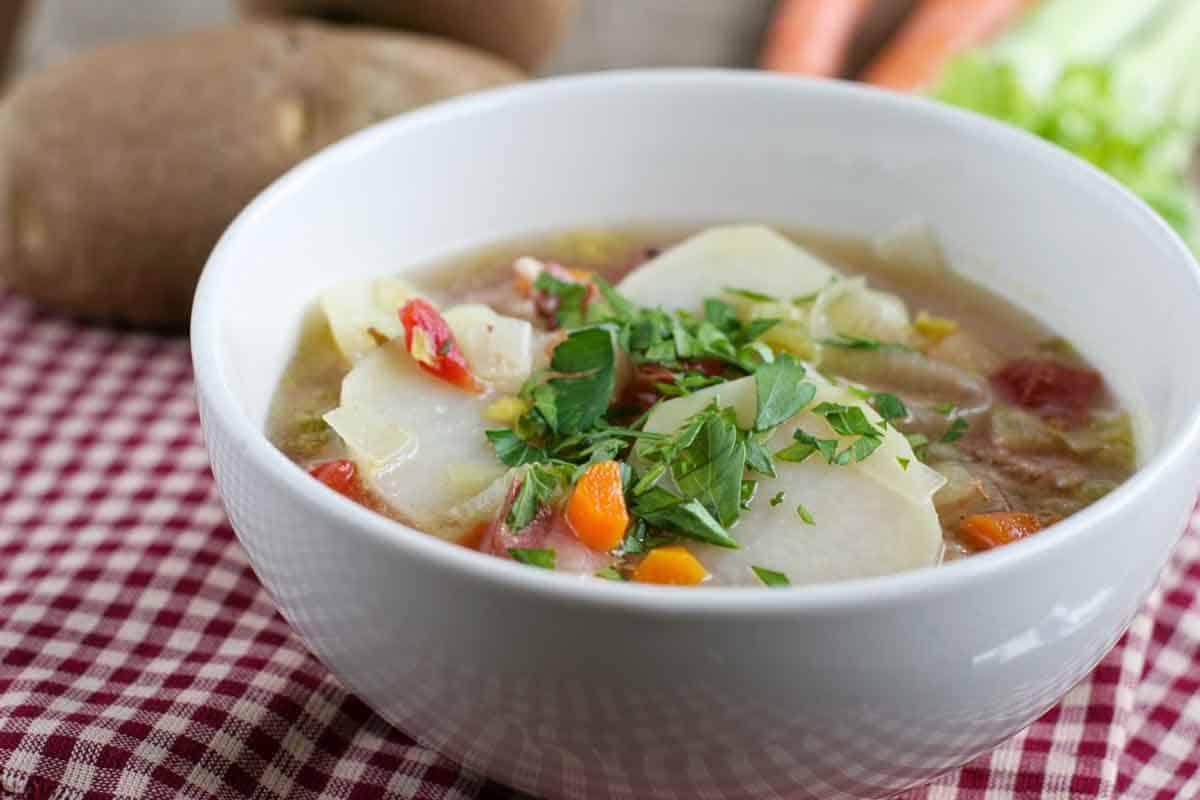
column 671, row 565
column 505, row 410
column 934, row 328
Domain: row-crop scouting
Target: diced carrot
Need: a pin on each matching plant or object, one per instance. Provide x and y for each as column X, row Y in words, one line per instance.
column 672, row 565
column 341, row 476
column 596, row 508
column 985, row 531
column 933, row 32
column 812, row 37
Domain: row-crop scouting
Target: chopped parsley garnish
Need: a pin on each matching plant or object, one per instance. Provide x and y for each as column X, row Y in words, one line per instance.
column 610, row 574
column 781, row 391
column 903, row 462
column 539, row 484
column 848, row 341
column 805, row 445
column 955, row 431
column 770, row 577
column 919, row 443
column 544, row 558
column 512, row 450
column 581, row 399
column 692, row 484
column 749, row 294
column 945, row 409
column 805, row 515
column 889, row 406
column 571, row 297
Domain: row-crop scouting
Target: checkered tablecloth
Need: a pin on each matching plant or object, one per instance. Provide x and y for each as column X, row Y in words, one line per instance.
column 140, row 658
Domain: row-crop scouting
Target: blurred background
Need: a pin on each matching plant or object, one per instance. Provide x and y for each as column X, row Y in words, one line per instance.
column 198, row 109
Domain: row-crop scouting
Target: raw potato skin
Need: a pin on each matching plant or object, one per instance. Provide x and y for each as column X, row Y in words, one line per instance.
column 526, row 32
column 120, row 169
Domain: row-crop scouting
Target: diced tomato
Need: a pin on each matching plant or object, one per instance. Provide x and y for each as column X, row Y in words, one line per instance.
column 342, row 477
column 431, row 342
column 1048, row 387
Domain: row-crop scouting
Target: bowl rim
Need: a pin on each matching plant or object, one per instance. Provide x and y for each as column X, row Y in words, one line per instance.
column 271, row 464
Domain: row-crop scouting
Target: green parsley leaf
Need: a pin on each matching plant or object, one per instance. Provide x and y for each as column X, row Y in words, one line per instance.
column 582, row 398
column 757, row 327
column 805, row 515
column 903, row 462
column 710, row 467
column 770, row 577
column 662, row 509
column 610, row 573
column 805, row 445
column 621, row 308
column 720, row 314
column 571, row 297
column 849, row 342
column 661, row 352
column 749, row 489
column 955, row 431
column 543, row 558
column 846, row 420
column 650, row 479
column 512, row 450
column 919, row 443
column 945, row 409
column 538, row 485
column 750, row 294
column 777, row 499
column 781, row 391
column 758, row 457
column 889, row 406
column 865, row 445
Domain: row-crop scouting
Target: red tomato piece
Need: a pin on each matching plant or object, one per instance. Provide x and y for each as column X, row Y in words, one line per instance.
column 342, row 477
column 431, row 342
column 1048, row 387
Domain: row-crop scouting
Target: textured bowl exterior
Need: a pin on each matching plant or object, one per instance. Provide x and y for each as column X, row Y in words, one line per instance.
column 579, row 689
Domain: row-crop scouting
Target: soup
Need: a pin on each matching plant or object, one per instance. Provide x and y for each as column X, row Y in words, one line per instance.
column 721, row 406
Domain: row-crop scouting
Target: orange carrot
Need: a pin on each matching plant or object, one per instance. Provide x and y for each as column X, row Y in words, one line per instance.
column 985, row 531
column 672, row 565
column 596, row 508
column 933, row 32
column 812, row 37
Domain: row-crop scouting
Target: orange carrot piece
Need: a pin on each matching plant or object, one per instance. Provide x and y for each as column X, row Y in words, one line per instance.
column 812, row 37
column 933, row 32
column 596, row 508
column 671, row 565
column 985, row 531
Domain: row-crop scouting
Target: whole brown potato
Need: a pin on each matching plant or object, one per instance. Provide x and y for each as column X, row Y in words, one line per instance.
column 120, row 169
column 526, row 32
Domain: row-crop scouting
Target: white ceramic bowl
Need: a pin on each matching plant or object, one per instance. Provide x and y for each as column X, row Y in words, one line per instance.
column 583, row 689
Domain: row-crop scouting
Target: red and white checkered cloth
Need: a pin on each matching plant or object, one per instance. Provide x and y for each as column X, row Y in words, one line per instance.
column 140, row 658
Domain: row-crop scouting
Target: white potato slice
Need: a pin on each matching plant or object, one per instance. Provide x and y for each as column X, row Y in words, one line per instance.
column 873, row 517
column 498, row 349
column 740, row 256
column 410, row 433
column 355, row 307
